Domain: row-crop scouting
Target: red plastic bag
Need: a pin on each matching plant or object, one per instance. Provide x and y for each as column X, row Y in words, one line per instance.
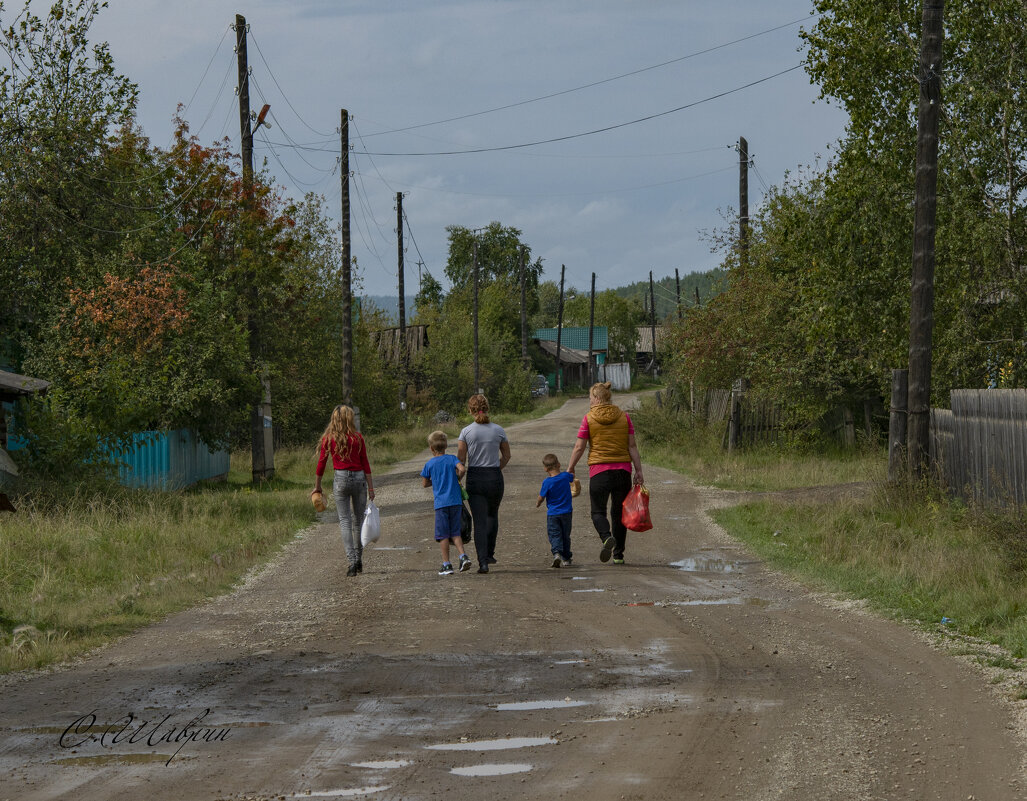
column 635, row 512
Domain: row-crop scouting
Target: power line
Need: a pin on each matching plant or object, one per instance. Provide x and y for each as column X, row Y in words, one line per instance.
column 596, row 130
column 282, row 91
column 594, row 83
column 410, row 231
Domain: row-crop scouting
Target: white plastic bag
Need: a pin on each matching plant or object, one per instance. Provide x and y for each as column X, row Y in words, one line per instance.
column 371, row 529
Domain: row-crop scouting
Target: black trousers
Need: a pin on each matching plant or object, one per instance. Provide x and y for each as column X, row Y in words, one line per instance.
column 610, row 486
column 484, row 494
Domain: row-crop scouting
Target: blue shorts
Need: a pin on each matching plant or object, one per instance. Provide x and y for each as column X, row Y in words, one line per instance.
column 447, row 522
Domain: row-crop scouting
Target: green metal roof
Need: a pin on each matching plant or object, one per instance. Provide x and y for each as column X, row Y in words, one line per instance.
column 576, row 337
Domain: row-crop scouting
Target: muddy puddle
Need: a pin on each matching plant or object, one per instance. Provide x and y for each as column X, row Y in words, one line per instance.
column 735, row 601
column 591, row 589
column 521, row 706
column 491, row 770
column 347, row 792
column 707, row 564
column 501, row 744
column 383, row 764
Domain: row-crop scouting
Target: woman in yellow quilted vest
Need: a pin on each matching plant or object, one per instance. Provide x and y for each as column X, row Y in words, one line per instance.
column 610, row 436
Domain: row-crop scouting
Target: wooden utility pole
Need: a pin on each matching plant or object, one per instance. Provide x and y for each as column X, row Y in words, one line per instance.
column 559, row 329
column 262, row 445
column 524, row 308
column 347, row 289
column 591, row 330
column 743, row 201
column 698, row 303
column 921, row 317
column 677, row 281
column 652, row 319
column 402, row 304
column 898, row 420
column 474, row 267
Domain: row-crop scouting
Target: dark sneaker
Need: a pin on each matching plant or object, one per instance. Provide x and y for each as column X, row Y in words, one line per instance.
column 618, row 561
column 607, row 551
column 360, row 566
column 465, row 563
column 556, row 560
column 352, row 571
column 483, row 568
column 446, row 570
column 492, row 560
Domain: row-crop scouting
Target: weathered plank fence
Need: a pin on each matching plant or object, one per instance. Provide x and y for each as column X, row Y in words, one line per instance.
column 979, row 447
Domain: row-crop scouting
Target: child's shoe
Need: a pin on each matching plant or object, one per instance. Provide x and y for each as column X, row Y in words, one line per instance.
column 556, row 560
column 447, row 569
column 465, row 563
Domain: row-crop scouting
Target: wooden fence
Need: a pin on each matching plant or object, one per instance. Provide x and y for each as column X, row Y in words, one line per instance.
column 979, row 447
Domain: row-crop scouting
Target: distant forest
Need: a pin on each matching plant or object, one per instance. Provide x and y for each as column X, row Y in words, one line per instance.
column 708, row 283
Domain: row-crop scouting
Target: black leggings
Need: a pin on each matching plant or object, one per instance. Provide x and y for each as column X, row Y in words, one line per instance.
column 484, row 494
column 610, row 486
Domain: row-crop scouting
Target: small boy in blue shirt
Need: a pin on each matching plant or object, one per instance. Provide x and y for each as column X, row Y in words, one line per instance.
column 556, row 492
column 443, row 473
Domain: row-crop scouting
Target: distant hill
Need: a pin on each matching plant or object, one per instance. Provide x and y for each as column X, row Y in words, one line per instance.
column 390, row 305
column 708, row 283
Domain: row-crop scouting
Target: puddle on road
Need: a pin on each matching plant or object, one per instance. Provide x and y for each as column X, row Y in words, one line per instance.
column 722, row 602
column 519, row 706
column 593, row 589
column 577, row 578
column 383, row 764
column 494, row 745
column 571, row 662
column 704, row 564
column 491, row 770
column 349, row 792
column 392, row 548
column 601, row 720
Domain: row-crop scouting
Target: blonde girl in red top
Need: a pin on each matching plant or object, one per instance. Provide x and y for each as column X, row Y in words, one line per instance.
column 351, row 482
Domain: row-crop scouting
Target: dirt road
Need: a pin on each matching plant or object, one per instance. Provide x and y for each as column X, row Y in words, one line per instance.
column 690, row 672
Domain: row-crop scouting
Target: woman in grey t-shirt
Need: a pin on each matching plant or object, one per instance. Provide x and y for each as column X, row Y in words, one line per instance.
column 484, row 450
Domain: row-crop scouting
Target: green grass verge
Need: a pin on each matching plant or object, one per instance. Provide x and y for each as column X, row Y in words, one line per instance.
column 99, row 564
column 912, row 554
column 921, row 559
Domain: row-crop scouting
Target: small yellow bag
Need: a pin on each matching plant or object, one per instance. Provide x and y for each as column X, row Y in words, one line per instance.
column 575, row 488
column 318, row 499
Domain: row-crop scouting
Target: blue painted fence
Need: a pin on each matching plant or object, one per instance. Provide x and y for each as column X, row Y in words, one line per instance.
column 168, row 460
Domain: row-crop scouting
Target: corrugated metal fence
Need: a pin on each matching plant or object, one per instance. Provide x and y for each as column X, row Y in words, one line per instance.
column 168, row 460
column 979, row 447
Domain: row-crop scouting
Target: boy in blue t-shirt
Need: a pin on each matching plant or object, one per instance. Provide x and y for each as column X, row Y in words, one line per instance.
column 556, row 492
column 443, row 473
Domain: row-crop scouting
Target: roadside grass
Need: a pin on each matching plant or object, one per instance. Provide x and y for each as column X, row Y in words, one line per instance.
column 911, row 553
column 920, row 558
column 669, row 440
column 105, row 560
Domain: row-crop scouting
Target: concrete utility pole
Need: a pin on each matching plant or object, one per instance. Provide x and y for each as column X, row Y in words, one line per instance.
column 559, row 329
column 591, row 330
column 262, row 444
column 743, row 201
column 524, row 309
column 652, row 319
column 347, row 289
column 402, row 303
column 677, row 281
column 921, row 318
column 474, row 259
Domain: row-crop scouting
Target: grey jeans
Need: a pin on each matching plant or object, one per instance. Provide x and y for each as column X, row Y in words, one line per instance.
column 350, row 490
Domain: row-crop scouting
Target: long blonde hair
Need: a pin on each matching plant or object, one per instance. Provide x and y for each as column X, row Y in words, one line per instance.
column 478, row 406
column 341, row 427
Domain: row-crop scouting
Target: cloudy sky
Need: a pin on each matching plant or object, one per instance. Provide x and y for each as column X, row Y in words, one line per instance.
column 422, row 79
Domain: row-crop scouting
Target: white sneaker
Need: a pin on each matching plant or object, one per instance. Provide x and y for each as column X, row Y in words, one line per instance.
column 556, row 560
column 566, row 563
